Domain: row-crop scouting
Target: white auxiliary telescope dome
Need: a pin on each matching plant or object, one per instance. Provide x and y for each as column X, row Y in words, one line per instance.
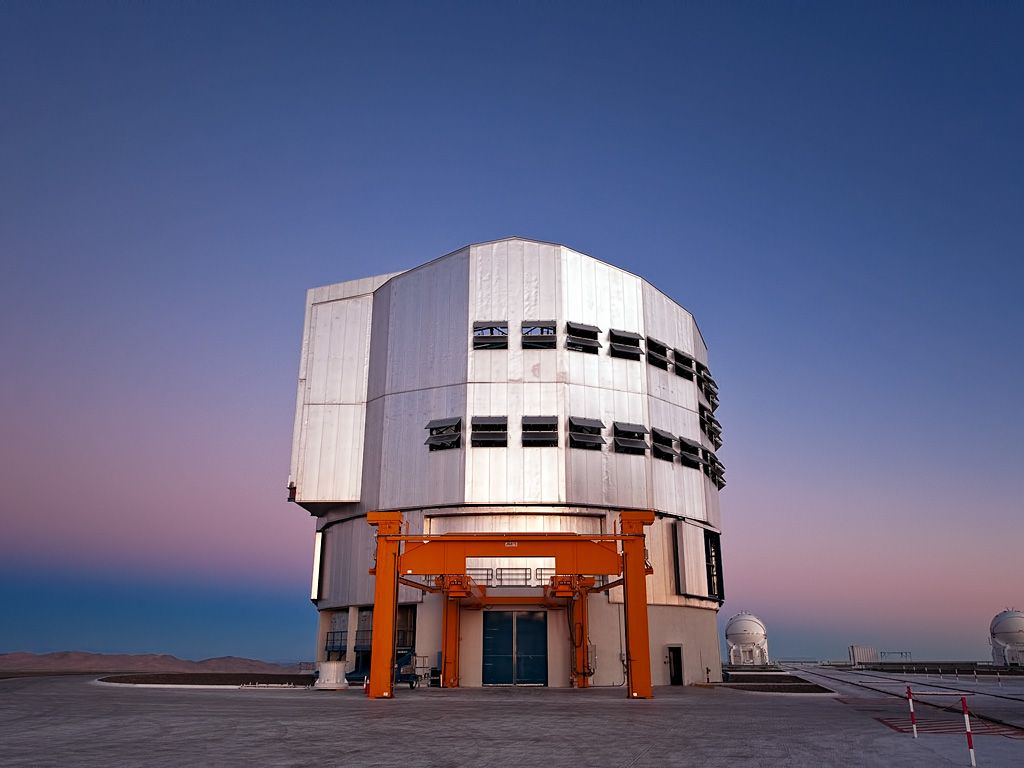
column 1007, row 633
column 747, row 638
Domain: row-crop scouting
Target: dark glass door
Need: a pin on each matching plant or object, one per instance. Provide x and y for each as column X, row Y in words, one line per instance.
column 499, row 648
column 515, row 648
column 531, row 636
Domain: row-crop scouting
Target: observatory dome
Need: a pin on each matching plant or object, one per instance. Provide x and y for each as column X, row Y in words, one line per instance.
column 1007, row 628
column 745, row 628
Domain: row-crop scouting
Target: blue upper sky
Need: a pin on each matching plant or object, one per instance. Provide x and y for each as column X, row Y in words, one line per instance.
column 836, row 192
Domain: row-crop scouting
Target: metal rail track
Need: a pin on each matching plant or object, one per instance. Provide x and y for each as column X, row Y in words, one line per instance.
column 917, row 700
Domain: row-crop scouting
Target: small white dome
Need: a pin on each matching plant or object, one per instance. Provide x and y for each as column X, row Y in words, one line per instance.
column 745, row 628
column 1007, row 628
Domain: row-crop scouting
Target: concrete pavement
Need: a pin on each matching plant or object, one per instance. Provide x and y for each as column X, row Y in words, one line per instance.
column 61, row 721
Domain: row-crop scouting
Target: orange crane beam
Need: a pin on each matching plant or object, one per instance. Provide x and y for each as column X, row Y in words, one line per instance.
column 447, row 554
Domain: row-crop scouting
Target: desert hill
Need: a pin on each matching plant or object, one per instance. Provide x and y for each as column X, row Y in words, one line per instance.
column 81, row 661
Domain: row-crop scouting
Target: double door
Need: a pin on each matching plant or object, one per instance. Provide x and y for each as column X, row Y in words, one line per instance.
column 515, row 648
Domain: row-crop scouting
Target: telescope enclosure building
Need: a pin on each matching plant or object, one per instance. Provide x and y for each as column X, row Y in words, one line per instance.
column 511, row 386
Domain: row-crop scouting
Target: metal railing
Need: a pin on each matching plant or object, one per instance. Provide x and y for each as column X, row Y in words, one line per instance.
column 513, row 577
column 484, row 576
column 364, row 638
column 543, row 575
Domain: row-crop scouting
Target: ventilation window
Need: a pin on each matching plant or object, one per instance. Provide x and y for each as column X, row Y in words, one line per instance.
column 714, row 469
column 490, row 335
column 444, row 434
column 710, row 426
column 706, row 384
column 661, row 444
column 629, row 438
column 624, row 344
column 582, row 338
column 713, row 560
column 657, row 354
column 683, row 364
column 690, row 453
column 540, row 431
column 489, row 432
column 539, row 334
column 585, row 433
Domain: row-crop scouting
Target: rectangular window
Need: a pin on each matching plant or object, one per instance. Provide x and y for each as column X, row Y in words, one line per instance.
column 629, row 438
column 490, row 335
column 489, row 432
column 683, row 364
column 661, row 444
column 714, row 469
column 540, row 431
column 582, row 338
column 710, row 426
column 444, row 434
column 677, row 560
column 713, row 560
column 706, row 384
column 585, row 433
column 657, row 354
column 624, row 344
column 690, row 453
column 539, row 334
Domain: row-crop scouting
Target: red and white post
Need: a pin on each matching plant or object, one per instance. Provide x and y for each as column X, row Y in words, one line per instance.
column 913, row 717
column 970, row 736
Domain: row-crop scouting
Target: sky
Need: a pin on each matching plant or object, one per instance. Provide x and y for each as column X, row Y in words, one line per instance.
column 836, row 191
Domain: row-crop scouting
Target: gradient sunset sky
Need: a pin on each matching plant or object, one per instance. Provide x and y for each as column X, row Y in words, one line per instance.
column 836, row 192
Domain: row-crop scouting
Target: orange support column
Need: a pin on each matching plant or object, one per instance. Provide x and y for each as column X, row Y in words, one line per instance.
column 385, row 604
column 450, row 642
column 634, row 571
column 580, row 640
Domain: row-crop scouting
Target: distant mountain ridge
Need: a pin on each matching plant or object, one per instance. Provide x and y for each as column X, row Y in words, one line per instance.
column 81, row 661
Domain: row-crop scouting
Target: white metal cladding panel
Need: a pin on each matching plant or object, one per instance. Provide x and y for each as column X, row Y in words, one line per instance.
column 300, row 394
column 661, row 585
column 331, row 453
column 377, row 376
column 428, row 325
column 349, row 288
column 515, row 521
column 411, row 474
column 672, row 325
column 542, row 469
column 487, row 469
column 513, row 281
column 339, row 351
column 604, row 296
column 676, row 488
column 668, row 322
column 692, row 562
column 605, row 477
column 515, row 474
column 327, row 452
column 373, row 443
column 349, row 552
column 714, row 512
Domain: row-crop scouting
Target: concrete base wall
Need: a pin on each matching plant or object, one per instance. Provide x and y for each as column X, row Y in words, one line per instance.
column 693, row 629
column 696, row 631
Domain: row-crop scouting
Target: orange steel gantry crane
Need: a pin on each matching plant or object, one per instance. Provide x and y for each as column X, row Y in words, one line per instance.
column 578, row 557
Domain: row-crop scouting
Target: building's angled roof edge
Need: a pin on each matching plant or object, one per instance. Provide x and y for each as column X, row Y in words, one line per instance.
column 467, row 246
